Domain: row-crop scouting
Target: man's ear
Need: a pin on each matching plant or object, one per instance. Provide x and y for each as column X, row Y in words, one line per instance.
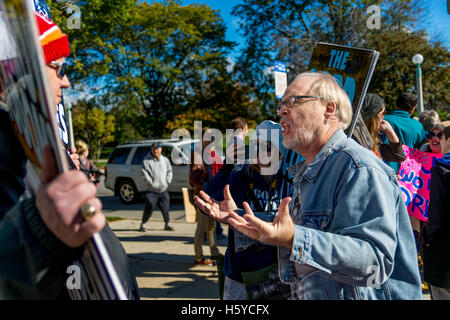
column 330, row 111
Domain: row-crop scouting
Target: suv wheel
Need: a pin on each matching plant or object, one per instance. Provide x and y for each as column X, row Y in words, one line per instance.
column 127, row 192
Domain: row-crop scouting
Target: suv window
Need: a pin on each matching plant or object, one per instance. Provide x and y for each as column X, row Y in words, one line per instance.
column 119, row 156
column 140, row 155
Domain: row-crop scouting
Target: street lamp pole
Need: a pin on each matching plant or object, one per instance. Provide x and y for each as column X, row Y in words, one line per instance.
column 418, row 59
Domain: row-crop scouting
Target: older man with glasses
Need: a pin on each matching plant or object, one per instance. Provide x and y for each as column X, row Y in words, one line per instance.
column 346, row 232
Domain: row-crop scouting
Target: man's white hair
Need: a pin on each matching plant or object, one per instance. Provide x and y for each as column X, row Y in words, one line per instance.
column 327, row 87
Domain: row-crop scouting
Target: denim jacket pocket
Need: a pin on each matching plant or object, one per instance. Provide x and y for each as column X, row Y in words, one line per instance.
column 318, row 286
column 316, row 220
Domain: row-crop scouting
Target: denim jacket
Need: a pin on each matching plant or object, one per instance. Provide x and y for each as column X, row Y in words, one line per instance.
column 353, row 238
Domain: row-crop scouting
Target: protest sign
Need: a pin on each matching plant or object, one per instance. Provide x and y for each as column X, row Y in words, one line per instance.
column 353, row 68
column 62, row 124
column 415, row 174
column 41, row 7
column 33, row 116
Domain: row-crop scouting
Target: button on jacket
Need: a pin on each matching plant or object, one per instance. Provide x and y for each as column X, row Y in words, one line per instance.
column 353, row 238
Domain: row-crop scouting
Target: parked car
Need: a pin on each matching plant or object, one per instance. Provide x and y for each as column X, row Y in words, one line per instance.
column 123, row 170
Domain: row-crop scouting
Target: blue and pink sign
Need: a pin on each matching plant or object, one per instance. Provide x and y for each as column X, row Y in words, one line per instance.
column 415, row 174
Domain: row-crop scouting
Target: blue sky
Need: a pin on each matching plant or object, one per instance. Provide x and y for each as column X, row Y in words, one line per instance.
column 436, row 24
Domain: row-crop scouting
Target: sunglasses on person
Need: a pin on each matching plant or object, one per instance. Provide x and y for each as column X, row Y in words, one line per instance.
column 291, row 101
column 61, row 68
column 432, row 135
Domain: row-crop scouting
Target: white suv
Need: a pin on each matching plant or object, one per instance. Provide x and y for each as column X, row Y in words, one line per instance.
column 123, row 170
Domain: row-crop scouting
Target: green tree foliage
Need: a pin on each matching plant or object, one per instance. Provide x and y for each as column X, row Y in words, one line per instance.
column 217, row 102
column 92, row 125
column 287, row 30
column 396, row 73
column 149, row 58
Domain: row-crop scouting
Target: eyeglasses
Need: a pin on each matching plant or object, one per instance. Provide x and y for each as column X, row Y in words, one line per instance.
column 61, row 68
column 432, row 135
column 290, row 101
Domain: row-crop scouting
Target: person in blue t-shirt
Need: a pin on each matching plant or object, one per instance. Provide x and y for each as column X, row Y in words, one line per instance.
column 409, row 130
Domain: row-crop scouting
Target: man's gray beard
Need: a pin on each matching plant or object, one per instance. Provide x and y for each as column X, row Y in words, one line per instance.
column 303, row 138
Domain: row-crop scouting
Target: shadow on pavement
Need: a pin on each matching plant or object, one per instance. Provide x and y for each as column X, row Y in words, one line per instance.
column 114, row 203
column 163, row 261
column 173, row 276
column 156, row 238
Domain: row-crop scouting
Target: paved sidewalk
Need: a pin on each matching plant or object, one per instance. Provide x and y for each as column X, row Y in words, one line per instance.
column 163, row 261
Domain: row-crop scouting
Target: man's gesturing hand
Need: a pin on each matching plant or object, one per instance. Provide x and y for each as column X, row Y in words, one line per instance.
column 219, row 211
column 59, row 199
column 279, row 232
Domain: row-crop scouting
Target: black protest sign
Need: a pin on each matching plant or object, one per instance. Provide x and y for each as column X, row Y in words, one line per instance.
column 353, row 68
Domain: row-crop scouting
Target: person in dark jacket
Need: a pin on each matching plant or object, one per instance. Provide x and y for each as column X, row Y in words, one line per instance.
column 42, row 235
column 436, row 232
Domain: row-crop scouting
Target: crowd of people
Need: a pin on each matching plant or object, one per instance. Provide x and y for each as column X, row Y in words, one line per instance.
column 342, row 230
column 330, row 223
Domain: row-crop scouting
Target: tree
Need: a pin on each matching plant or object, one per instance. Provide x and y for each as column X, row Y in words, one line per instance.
column 92, row 125
column 288, row 30
column 395, row 72
column 130, row 123
column 146, row 56
column 216, row 103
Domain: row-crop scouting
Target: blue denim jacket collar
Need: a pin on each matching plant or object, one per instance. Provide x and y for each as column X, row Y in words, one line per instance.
column 310, row 172
column 383, row 218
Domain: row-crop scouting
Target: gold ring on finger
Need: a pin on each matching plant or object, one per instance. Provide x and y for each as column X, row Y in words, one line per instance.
column 87, row 211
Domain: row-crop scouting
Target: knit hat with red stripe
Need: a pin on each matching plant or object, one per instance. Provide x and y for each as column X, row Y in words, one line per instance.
column 54, row 43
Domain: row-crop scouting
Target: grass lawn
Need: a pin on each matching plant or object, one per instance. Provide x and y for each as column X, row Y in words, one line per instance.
column 100, row 163
column 113, row 219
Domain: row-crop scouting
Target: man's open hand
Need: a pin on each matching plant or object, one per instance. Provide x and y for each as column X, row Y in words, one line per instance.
column 219, row 211
column 279, row 232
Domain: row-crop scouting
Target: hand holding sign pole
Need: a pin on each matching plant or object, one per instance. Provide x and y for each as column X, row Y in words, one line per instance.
column 32, row 112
